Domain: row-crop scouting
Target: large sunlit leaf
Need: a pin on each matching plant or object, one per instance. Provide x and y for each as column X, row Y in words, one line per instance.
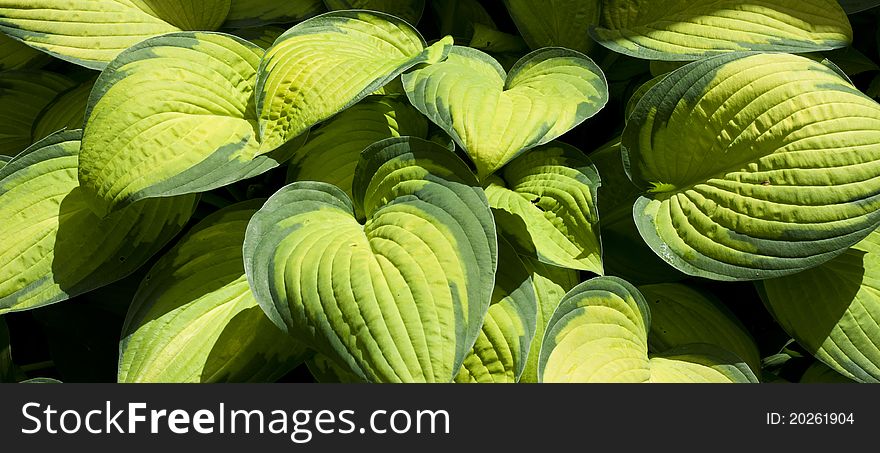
column 555, row 23
column 399, row 298
column 500, row 352
column 544, row 202
column 754, row 166
column 194, row 318
column 54, row 247
column 599, row 333
column 332, row 151
column 408, row 10
column 91, row 33
column 23, row 96
column 693, row 29
column 173, row 115
column 327, row 63
column 834, row 310
column 496, row 116
column 253, row 13
column 681, row 315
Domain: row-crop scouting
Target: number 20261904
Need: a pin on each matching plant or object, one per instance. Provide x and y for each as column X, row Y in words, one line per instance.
column 810, row 418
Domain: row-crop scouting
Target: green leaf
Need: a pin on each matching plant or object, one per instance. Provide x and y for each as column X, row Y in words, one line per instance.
column 555, row 23
column 491, row 40
column 500, row 352
column 496, row 116
column 332, row 151
column 8, row 371
column 544, row 202
column 755, row 166
column 599, row 333
column 170, row 116
column 23, row 95
column 91, row 33
column 4, row 160
column 66, row 111
column 255, row 13
column 300, row 82
column 400, row 298
column 625, row 254
column 15, row 55
column 819, row 373
column 263, row 36
column 408, row 10
column 54, row 247
column 325, row 370
column 681, row 315
column 194, row 318
column 694, row 29
column 857, row 6
column 834, row 310
column 850, row 61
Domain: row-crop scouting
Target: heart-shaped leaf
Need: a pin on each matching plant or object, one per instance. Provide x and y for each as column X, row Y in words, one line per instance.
column 500, row 352
column 408, row 10
column 54, row 247
column 194, row 318
column 23, row 95
column 332, row 151
column 15, row 55
column 599, row 333
column 399, row 298
column 834, row 310
column 173, row 115
column 544, row 202
column 753, row 168
column 496, row 116
column 255, row 13
column 694, row 29
column 550, row 283
column 91, row 33
column 330, row 62
column 681, row 315
column 555, row 23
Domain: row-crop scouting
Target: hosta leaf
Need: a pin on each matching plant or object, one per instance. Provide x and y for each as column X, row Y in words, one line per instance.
column 301, row 80
column 681, row 315
column 408, row 10
column 625, row 254
column 694, row 29
column 15, row 55
column 325, row 370
column 555, row 23
column 544, row 202
column 550, row 284
column 332, row 151
column 458, row 18
column 66, row 111
column 399, row 298
column 254, row 13
column 173, row 115
column 8, row 371
column 496, row 116
column 23, row 95
column 819, row 373
column 599, row 333
column 491, row 40
column 500, row 352
column 856, row 6
column 4, row 160
column 194, row 318
column 91, row 33
column 54, row 246
column 834, row 310
column 264, row 36
column 757, row 166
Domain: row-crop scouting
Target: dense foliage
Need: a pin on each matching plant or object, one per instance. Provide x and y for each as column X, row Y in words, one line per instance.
column 439, row 191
